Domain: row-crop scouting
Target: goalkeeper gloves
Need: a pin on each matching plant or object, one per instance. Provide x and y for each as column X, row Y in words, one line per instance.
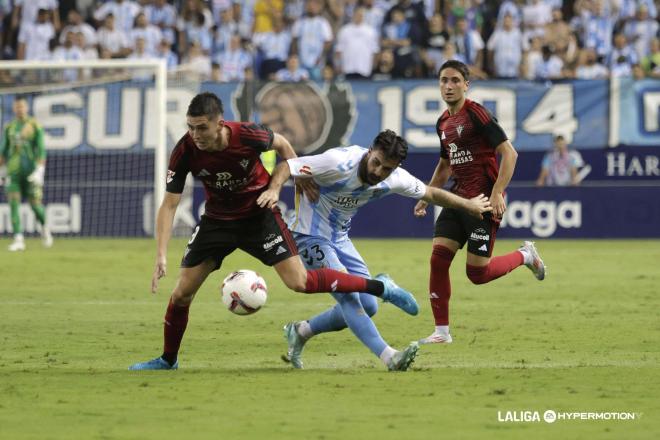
column 37, row 176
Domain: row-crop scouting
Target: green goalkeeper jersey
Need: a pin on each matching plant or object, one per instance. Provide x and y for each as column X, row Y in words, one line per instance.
column 23, row 146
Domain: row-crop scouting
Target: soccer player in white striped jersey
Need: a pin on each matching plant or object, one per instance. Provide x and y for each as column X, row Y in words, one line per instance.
column 348, row 178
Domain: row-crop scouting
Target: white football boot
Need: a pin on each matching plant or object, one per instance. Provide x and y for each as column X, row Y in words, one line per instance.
column 18, row 244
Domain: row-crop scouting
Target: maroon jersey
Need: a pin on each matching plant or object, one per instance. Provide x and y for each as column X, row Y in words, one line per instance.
column 468, row 140
column 233, row 178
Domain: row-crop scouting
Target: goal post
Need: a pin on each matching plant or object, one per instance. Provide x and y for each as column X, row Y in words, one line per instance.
column 105, row 135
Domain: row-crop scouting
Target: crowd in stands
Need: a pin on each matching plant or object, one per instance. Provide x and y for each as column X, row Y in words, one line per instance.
column 292, row 40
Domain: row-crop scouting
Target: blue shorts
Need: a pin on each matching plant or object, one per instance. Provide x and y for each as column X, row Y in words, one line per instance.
column 318, row 252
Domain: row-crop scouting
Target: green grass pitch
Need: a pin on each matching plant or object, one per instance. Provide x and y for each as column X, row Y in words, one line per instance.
column 72, row 318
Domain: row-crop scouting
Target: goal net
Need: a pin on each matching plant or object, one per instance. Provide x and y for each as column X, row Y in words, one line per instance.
column 105, row 136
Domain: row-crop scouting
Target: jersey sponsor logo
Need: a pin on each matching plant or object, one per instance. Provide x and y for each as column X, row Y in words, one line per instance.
column 231, row 185
column 479, row 237
column 224, row 175
column 170, row 176
column 346, row 202
column 244, row 163
column 270, row 244
column 457, row 157
column 305, row 169
column 459, row 130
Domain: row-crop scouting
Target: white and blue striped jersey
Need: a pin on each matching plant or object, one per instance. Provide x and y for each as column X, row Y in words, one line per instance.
column 342, row 192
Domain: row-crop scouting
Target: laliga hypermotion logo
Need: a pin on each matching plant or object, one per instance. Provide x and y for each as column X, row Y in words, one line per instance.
column 312, row 118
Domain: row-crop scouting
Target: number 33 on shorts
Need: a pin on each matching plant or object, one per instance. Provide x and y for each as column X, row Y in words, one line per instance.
column 313, row 256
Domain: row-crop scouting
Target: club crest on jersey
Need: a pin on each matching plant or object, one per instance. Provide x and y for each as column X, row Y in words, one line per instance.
column 170, row 176
column 459, row 130
column 244, row 163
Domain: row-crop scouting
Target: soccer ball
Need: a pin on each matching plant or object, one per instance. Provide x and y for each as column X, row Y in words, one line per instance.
column 244, row 292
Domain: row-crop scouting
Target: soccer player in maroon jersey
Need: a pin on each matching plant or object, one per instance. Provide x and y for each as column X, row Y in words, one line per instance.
column 224, row 155
column 470, row 140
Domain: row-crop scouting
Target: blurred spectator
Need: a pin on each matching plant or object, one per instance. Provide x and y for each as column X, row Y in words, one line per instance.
column 433, row 52
column 356, row 47
column 589, row 67
column 396, row 36
column 294, row 10
column 162, row 15
column 216, row 73
column 560, row 166
column 467, row 9
column 293, row 72
column 373, row 15
column 531, row 58
column 536, row 14
column 68, row 52
column 628, row 9
column 264, row 10
column 384, row 70
column 622, row 57
column 273, row 47
column 234, row 60
column 413, row 14
column 196, row 30
column 141, row 51
column 88, row 52
column 124, row 12
column 598, row 28
column 228, row 27
column 151, row 34
column 194, row 24
column 328, row 73
column 114, row 40
column 505, row 50
column 75, row 24
column 165, row 53
column 549, row 66
column 197, row 62
column 512, row 8
column 26, row 13
column 650, row 64
column 469, row 46
column 557, row 33
column 34, row 39
column 312, row 39
column 641, row 31
column 333, row 11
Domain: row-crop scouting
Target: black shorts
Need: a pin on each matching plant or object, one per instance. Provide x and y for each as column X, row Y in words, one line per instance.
column 461, row 227
column 265, row 237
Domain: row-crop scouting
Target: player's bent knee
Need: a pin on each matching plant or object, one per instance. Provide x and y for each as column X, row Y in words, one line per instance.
column 480, row 277
column 296, row 283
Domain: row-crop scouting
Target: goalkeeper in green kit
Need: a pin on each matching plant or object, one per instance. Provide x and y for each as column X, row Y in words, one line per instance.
column 23, row 163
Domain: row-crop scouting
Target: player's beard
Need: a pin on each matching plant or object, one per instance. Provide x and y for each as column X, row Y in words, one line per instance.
column 363, row 172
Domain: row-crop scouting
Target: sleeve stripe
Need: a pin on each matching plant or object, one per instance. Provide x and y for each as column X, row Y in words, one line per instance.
column 481, row 113
column 257, row 136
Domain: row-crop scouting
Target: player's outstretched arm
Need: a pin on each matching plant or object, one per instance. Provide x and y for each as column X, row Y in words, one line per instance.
column 440, row 177
column 164, row 222
column 475, row 206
